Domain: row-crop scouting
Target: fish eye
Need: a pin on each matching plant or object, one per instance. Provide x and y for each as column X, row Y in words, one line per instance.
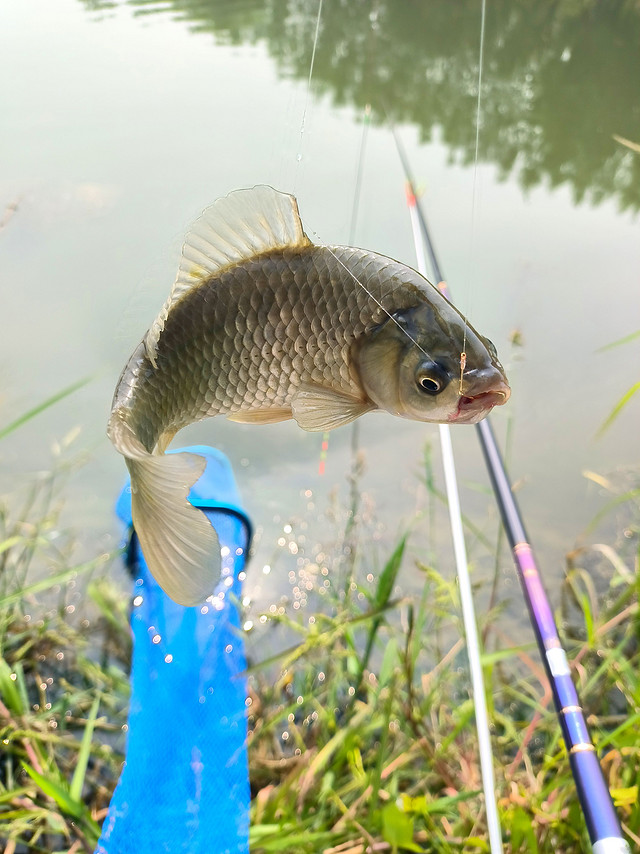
column 430, row 385
column 431, row 378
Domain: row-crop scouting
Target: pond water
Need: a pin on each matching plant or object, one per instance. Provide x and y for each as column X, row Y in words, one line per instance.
column 123, row 120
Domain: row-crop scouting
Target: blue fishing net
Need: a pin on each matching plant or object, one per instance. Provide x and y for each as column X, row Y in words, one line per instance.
column 185, row 782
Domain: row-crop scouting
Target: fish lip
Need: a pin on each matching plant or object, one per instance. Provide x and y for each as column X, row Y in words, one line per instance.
column 473, row 408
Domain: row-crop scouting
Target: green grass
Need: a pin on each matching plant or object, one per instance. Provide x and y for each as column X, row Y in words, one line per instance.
column 392, row 764
column 362, row 734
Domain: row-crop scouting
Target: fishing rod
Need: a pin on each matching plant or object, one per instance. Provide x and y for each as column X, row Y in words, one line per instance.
column 602, row 822
column 466, row 596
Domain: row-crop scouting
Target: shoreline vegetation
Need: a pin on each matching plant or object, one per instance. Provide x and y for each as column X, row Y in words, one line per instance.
column 361, row 733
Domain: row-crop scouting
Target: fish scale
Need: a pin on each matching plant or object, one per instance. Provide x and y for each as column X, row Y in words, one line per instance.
column 251, row 337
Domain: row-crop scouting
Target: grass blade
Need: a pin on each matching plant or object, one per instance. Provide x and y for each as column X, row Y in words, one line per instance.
column 77, row 782
column 50, row 401
column 631, row 337
column 626, row 397
column 57, row 578
column 55, row 791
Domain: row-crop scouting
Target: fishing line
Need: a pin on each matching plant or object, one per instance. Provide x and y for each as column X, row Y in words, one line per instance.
column 426, row 241
column 307, row 96
column 360, row 167
column 352, row 229
column 371, row 296
column 478, row 112
column 474, row 185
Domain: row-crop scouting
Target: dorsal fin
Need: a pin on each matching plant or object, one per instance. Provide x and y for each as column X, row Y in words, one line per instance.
column 235, row 228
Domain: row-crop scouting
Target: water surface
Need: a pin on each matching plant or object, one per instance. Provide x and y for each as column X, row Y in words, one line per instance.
column 122, row 121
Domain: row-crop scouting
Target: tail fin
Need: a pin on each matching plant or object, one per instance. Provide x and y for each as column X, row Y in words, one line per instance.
column 180, row 547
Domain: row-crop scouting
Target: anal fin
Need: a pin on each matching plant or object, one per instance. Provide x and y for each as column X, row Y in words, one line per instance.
column 261, row 416
column 316, row 408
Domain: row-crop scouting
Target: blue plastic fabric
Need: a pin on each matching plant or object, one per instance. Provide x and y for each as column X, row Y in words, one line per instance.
column 185, row 783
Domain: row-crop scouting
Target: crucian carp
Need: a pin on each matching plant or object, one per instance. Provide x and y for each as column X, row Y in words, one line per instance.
column 261, row 326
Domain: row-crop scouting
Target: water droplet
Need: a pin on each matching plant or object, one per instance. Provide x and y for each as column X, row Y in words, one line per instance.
column 565, row 56
column 225, row 551
column 14, row 676
column 239, row 551
column 137, row 601
column 248, row 625
column 156, row 639
column 242, row 575
column 266, row 569
column 285, row 736
column 228, row 648
column 321, row 677
column 287, row 529
column 168, row 658
column 204, row 609
column 228, row 582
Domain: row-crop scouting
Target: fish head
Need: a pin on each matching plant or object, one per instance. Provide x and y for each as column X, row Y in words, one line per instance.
column 427, row 363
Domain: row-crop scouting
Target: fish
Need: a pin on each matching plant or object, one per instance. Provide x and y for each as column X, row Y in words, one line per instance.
column 262, row 325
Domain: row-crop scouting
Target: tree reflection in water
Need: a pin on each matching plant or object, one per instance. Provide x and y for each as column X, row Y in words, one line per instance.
column 560, row 78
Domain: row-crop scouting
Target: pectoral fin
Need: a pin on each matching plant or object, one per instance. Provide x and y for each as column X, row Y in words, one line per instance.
column 316, row 408
column 261, row 416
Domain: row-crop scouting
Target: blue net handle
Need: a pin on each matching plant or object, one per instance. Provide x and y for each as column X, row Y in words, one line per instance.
column 185, row 782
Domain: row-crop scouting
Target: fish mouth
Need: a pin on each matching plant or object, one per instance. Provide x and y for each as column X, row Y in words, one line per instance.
column 472, row 409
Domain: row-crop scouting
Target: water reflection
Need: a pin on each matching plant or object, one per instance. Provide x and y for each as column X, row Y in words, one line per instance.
column 560, row 79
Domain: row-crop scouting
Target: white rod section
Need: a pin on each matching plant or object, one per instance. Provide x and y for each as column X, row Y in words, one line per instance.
column 466, row 599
